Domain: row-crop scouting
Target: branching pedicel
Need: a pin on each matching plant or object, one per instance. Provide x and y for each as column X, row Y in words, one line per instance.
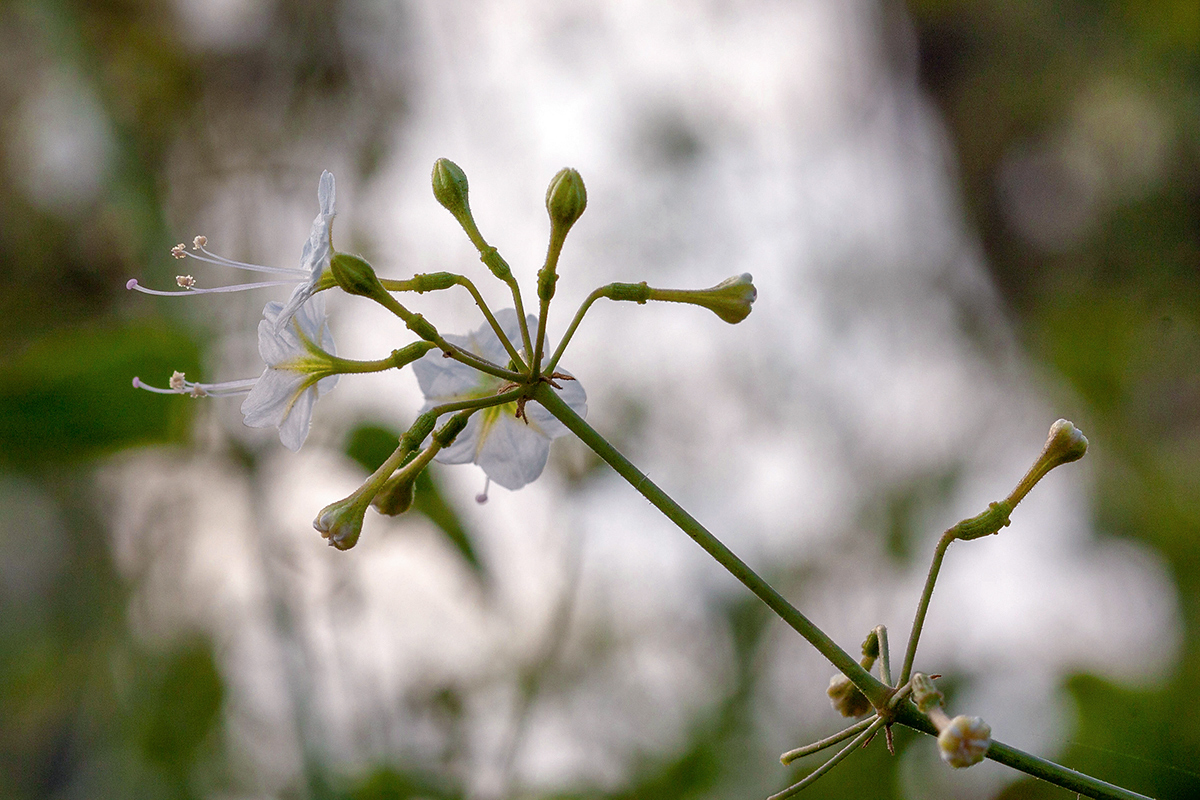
column 499, row 401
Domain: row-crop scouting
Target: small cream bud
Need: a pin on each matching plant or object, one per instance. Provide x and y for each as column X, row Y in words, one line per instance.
column 846, row 698
column 964, row 741
column 925, row 694
column 1065, row 444
column 566, row 198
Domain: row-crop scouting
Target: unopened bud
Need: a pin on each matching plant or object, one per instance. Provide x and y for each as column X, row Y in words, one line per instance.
column 355, row 276
column 730, row 299
column 450, row 188
column 396, row 495
column 566, row 199
column 1065, row 444
column 846, row 698
column 341, row 522
column 964, row 741
column 925, row 694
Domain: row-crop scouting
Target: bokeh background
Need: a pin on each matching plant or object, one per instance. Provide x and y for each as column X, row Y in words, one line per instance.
column 965, row 220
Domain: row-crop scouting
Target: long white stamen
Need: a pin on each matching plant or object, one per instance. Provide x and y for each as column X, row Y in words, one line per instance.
column 199, row 389
column 212, row 258
column 132, row 283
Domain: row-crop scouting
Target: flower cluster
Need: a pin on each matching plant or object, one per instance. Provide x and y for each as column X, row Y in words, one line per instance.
column 483, row 383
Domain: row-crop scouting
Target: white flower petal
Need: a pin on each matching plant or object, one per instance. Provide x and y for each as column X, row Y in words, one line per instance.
column 317, row 251
column 269, row 401
column 464, row 448
column 511, row 454
column 294, row 428
column 443, row 379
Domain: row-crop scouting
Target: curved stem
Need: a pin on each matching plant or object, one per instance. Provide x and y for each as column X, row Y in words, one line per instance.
column 466, row 283
column 423, row 329
column 878, row 693
column 828, row 741
column 583, row 309
column 870, row 686
column 808, row 779
column 910, row 653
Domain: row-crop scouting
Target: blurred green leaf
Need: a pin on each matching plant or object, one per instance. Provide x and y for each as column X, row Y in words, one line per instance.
column 370, row 446
column 181, row 708
column 392, row 784
column 69, row 395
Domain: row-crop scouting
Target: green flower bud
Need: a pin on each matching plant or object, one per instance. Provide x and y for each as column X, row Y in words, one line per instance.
column 730, row 299
column 846, row 698
column 397, row 493
column 925, row 694
column 341, row 522
column 450, row 188
column 355, row 276
column 870, row 648
column 964, row 741
column 566, row 198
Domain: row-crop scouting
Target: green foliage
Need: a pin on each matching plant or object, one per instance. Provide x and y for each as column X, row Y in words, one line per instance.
column 69, row 396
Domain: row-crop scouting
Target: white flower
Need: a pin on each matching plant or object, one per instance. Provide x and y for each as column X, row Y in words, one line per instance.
column 511, row 451
column 300, row 368
column 313, row 269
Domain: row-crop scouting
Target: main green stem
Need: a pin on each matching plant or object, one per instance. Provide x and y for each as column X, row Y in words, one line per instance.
column 1030, row 764
column 876, row 691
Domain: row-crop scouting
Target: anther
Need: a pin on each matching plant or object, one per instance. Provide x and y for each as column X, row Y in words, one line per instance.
column 179, row 251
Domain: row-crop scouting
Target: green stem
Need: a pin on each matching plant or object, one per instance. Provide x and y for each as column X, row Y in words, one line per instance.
column 1028, row 763
column 583, row 309
column 935, row 566
column 875, row 690
column 423, row 329
column 828, row 741
column 487, row 313
column 885, row 658
column 808, row 779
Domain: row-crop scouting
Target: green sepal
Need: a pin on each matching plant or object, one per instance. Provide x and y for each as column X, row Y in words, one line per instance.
column 445, row 435
column 410, row 353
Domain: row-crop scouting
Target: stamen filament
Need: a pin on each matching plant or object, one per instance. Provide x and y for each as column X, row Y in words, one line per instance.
column 132, row 283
